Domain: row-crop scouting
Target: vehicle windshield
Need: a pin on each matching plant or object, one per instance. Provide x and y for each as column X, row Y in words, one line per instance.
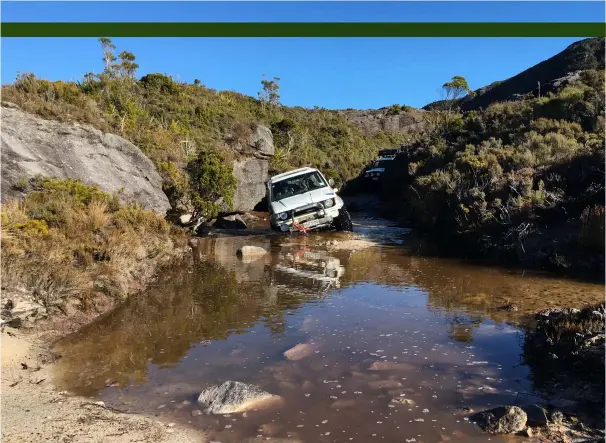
column 297, row 185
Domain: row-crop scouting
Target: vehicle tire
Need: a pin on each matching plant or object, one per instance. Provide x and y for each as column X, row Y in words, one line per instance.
column 343, row 221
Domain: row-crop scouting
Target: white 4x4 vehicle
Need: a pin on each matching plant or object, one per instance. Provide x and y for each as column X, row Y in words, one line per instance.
column 303, row 200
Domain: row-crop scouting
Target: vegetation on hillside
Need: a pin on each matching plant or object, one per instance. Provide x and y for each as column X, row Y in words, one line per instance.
column 508, row 178
column 544, row 77
column 174, row 122
column 67, row 241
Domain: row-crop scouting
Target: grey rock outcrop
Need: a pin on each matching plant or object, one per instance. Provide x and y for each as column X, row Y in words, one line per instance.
column 233, row 396
column 32, row 145
column 251, row 173
column 371, row 121
column 251, row 169
column 501, row 420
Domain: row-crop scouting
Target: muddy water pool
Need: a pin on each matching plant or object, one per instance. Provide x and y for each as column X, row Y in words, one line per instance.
column 403, row 343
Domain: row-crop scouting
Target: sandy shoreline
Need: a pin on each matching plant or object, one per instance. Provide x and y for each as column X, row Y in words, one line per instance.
column 33, row 410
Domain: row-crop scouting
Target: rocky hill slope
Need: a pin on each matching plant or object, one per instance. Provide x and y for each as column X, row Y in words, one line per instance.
column 402, row 119
column 551, row 74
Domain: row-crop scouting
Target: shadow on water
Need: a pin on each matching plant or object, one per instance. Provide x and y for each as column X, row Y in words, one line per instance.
column 217, row 317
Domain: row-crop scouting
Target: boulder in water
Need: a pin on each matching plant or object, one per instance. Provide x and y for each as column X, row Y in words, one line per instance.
column 250, row 252
column 300, row 351
column 234, row 396
column 501, row 420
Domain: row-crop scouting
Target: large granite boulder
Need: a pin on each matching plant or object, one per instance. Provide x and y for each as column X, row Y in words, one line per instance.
column 32, row 145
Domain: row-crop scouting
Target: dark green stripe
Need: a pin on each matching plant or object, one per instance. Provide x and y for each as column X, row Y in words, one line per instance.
column 281, row 29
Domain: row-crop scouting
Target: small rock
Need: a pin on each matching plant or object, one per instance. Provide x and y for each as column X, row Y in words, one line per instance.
column 403, row 401
column 300, row 351
column 234, row 396
column 501, row 420
column 196, row 412
column 390, row 366
column 307, row 385
column 556, row 417
column 528, row 432
column 250, row 253
column 185, row 219
column 100, row 403
column 270, row 429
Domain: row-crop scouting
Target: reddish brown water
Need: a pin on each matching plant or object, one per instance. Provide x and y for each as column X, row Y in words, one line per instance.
column 432, row 322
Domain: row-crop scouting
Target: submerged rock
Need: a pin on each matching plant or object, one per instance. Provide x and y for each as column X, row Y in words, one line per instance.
column 501, row 420
column 390, row 366
column 342, row 404
column 234, row 396
column 402, row 401
column 247, row 252
column 300, row 351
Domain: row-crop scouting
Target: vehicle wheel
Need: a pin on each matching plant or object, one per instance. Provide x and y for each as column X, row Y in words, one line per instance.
column 343, row 221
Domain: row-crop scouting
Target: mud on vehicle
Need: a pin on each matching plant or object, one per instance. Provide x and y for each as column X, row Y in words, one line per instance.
column 303, row 200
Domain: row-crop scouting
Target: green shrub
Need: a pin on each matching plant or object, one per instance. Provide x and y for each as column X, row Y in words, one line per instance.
column 211, row 178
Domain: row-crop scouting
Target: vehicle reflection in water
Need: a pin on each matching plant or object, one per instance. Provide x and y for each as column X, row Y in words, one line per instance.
column 217, row 317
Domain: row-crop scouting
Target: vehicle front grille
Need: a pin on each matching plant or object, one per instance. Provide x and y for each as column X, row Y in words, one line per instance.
column 309, row 209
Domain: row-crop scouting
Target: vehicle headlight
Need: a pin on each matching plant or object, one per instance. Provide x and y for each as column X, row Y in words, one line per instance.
column 328, row 203
column 283, row 215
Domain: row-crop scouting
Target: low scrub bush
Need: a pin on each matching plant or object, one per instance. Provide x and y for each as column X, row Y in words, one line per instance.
column 67, row 239
column 507, row 172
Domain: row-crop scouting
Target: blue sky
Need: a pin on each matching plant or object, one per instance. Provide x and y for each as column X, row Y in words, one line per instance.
column 330, row 72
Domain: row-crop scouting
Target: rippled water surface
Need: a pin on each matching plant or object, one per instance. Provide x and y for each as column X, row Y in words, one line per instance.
column 432, row 323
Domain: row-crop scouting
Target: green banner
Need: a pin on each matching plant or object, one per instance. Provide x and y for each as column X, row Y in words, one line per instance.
column 285, row 29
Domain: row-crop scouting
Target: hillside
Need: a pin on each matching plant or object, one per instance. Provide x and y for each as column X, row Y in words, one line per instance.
column 509, row 177
column 582, row 55
column 189, row 130
column 521, row 181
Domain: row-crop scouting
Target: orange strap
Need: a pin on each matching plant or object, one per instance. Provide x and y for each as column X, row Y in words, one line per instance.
column 299, row 227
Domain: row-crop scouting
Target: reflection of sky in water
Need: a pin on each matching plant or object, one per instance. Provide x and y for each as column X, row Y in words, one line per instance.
column 221, row 318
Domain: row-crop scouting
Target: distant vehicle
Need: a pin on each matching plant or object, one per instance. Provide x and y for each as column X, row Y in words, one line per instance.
column 378, row 166
column 303, row 200
column 389, row 153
